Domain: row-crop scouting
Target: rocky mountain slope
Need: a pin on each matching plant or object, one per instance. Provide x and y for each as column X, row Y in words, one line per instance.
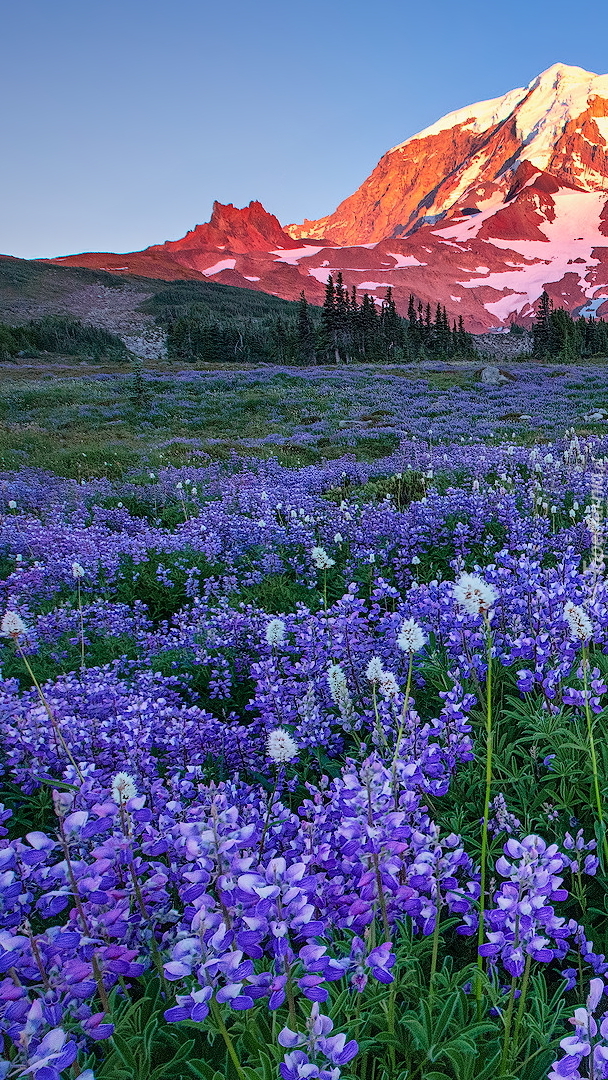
column 480, row 212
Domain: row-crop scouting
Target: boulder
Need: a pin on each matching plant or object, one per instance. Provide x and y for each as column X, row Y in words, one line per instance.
column 492, row 376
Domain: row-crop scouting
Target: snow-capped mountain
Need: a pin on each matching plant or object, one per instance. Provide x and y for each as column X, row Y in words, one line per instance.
column 481, row 212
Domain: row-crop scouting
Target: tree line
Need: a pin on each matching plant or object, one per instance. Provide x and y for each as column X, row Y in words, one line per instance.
column 344, row 330
column 59, row 334
column 558, row 336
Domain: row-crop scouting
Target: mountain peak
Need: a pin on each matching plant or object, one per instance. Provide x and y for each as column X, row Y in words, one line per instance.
column 558, row 123
column 240, row 229
column 565, row 71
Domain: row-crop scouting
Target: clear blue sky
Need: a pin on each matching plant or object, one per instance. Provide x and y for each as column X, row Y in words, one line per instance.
column 122, row 120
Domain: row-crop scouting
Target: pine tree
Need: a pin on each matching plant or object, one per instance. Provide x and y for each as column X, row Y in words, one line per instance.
column 392, row 332
column 342, row 320
column 411, row 313
column 542, row 327
column 305, row 333
column 368, row 322
column 328, row 331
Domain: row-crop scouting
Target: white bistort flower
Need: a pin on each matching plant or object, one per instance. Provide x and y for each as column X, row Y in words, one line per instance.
column 388, row 684
column 579, row 622
column 411, row 637
column 12, row 625
column 123, row 787
column 275, row 632
column 280, row 746
column 321, row 559
column 474, row 594
column 374, row 671
column 338, row 686
column 77, row 570
column 12, row 505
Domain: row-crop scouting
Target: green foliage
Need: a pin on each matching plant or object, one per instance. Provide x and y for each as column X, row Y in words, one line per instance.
column 221, row 327
column 402, row 490
column 64, row 656
column 62, row 335
column 160, row 581
column 558, row 336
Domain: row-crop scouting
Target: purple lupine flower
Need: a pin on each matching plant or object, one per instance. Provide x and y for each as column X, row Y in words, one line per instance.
column 588, row 1044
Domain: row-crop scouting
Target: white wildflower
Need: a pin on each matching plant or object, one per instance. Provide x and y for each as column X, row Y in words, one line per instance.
column 338, row 685
column 123, row 787
column 275, row 632
column 579, row 622
column 12, row 505
column 374, row 671
column 321, row 559
column 474, row 594
column 338, row 538
column 411, row 637
column 340, row 694
column 12, row 625
column 77, row 570
column 388, row 685
column 280, row 746
column 415, row 560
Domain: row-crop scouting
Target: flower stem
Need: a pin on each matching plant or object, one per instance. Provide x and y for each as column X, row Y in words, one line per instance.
column 507, row 1034
column 49, row 711
column 81, row 624
column 435, row 951
column 486, row 815
column 593, row 755
column 217, row 1016
column 522, row 1003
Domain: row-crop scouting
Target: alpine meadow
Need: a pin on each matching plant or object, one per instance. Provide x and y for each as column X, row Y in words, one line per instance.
column 304, row 628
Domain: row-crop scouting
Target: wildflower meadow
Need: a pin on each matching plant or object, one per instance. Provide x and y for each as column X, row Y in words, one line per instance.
column 304, row 761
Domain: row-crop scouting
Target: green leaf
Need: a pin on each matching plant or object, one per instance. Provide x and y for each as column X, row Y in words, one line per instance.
column 386, row 1039
column 203, row 1071
column 163, row 1071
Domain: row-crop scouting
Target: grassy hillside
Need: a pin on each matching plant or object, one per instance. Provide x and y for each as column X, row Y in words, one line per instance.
column 29, row 284
column 138, row 309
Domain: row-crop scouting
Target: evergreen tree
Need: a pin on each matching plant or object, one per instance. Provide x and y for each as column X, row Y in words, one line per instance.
column 368, row 322
column 542, row 327
column 305, row 335
column 329, row 340
column 391, row 326
column 342, row 321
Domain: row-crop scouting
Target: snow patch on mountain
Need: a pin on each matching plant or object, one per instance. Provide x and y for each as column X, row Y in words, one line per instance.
column 225, row 264
column 293, row 256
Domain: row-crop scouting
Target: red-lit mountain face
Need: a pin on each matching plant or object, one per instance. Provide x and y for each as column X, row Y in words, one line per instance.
column 479, row 212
